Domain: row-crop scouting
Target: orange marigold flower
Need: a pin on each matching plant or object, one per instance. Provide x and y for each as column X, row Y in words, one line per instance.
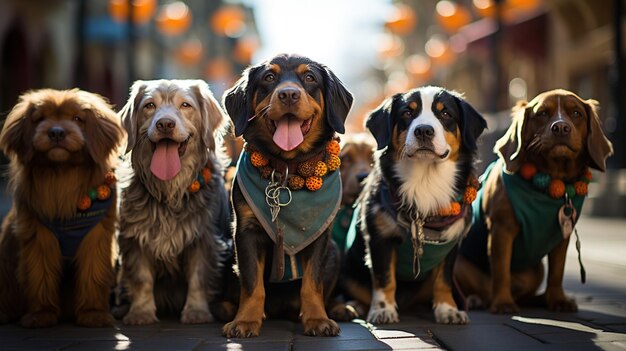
column 528, row 171
column 109, row 178
column 306, row 169
column 84, row 203
column 333, row 147
column 314, row 183
column 104, row 192
column 588, row 175
column 333, row 162
column 581, row 188
column 295, row 182
column 470, row 195
column 258, row 160
column 194, row 187
column 455, row 208
column 445, row 211
column 556, row 188
column 321, row 169
column 206, row 174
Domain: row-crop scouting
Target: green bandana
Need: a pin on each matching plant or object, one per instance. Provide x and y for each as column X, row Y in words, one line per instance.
column 307, row 216
column 537, row 214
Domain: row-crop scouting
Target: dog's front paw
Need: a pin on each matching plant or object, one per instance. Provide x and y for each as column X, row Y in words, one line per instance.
column 140, row 318
column 39, row 319
column 196, row 316
column 94, row 319
column 562, row 304
column 242, row 329
column 383, row 313
column 320, row 327
column 343, row 312
column 446, row 314
column 504, row 306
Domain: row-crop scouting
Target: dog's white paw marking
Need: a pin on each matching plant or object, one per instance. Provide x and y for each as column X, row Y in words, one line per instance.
column 382, row 311
column 446, row 314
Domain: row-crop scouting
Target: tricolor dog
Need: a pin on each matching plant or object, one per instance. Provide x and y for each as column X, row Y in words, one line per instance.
column 414, row 208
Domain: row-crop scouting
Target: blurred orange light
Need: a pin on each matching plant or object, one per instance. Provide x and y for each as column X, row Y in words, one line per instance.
column 402, row 20
column 229, row 21
column 245, row 49
column 142, row 10
column 419, row 67
column 452, row 16
column 439, row 51
column 174, row 19
column 189, row 52
column 390, row 46
column 484, row 8
column 218, row 69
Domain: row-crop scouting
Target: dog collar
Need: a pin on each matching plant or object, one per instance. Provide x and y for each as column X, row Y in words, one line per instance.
column 204, row 177
column 555, row 187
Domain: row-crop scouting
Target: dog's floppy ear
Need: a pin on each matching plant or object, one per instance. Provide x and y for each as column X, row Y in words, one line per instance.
column 128, row 112
column 338, row 100
column 213, row 114
column 509, row 146
column 472, row 124
column 238, row 100
column 17, row 130
column 102, row 126
column 380, row 121
column 598, row 146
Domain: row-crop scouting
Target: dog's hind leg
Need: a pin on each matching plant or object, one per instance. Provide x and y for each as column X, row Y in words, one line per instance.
column 196, row 308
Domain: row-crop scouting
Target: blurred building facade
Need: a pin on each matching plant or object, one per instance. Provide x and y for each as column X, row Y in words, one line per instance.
column 92, row 45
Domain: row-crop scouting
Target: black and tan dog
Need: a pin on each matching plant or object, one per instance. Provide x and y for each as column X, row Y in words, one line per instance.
column 286, row 191
column 538, row 182
column 413, row 209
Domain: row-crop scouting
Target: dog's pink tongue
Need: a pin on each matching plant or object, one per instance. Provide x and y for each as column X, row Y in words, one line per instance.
column 288, row 134
column 165, row 163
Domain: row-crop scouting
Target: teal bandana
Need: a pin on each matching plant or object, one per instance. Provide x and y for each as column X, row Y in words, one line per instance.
column 537, row 214
column 307, row 216
column 70, row 232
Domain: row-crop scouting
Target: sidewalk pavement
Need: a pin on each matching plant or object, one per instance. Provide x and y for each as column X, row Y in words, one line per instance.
column 600, row 323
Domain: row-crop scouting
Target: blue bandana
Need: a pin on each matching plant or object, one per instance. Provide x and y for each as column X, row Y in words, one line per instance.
column 70, row 232
column 307, row 216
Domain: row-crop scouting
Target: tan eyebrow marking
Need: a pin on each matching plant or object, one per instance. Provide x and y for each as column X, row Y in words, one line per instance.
column 413, row 105
column 439, row 106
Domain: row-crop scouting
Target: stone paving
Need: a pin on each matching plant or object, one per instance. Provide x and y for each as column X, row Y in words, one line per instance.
column 600, row 323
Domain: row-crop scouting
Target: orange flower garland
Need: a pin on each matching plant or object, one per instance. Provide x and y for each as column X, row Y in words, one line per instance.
column 469, row 195
column 101, row 192
column 309, row 173
column 204, row 177
column 556, row 188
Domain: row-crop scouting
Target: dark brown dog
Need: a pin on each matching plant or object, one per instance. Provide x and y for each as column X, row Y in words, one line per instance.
column 500, row 262
column 288, row 110
column 55, row 258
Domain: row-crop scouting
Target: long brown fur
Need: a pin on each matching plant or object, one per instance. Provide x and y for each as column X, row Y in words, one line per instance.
column 47, row 182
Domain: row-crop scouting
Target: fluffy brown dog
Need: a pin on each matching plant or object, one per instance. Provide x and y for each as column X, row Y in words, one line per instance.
column 174, row 211
column 288, row 109
column 56, row 258
column 539, row 179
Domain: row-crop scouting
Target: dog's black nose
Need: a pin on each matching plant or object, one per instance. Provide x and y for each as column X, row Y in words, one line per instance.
column 289, row 95
column 424, row 132
column 165, row 125
column 560, row 128
column 56, row 134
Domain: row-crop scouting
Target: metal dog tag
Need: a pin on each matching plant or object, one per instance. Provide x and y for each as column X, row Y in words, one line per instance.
column 567, row 218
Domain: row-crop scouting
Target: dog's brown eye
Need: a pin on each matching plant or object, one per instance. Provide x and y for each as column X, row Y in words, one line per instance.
column 542, row 113
column 309, row 78
column 185, row 105
column 577, row 114
column 77, row 119
column 445, row 114
column 407, row 114
column 270, row 77
column 150, row 105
